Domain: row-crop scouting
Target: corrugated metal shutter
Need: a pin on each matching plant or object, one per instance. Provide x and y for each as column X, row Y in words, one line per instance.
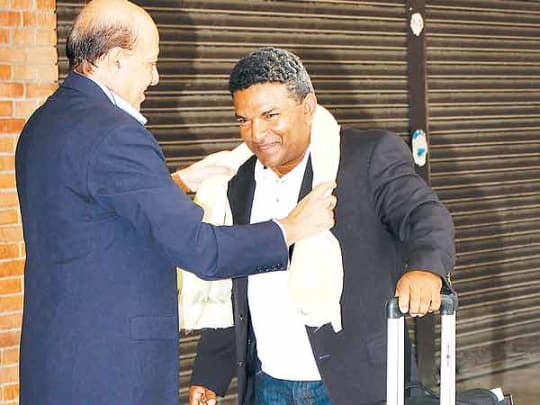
column 483, row 61
column 354, row 51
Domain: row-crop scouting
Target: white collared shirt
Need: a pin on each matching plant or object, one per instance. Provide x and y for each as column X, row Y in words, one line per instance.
column 282, row 342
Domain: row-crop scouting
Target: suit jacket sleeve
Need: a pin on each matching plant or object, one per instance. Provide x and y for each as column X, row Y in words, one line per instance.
column 215, row 365
column 128, row 177
column 410, row 208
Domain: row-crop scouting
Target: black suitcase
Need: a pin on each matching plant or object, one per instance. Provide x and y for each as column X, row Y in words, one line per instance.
column 395, row 387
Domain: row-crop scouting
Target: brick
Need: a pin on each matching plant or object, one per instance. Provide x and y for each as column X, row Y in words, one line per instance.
column 10, row 286
column 12, row 55
column 24, row 108
column 29, row 18
column 8, row 251
column 10, row 303
column 46, row 4
column 11, row 392
column 24, row 36
column 41, row 19
column 5, row 72
column 11, row 125
column 46, row 37
column 11, row 234
column 10, row 321
column 11, row 90
column 7, row 180
column 7, row 143
column 40, row 55
column 22, row 4
column 4, row 36
column 12, row 268
column 36, row 90
column 22, row 249
column 6, row 108
column 8, row 199
column 9, row 375
column 10, row 18
column 41, row 73
column 7, row 162
column 10, row 338
column 47, row 20
column 11, row 355
column 9, row 217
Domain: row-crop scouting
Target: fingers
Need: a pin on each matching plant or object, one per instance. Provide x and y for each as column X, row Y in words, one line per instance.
column 198, row 395
column 402, row 291
column 420, row 302
column 324, row 189
column 419, row 292
column 435, row 299
column 217, row 170
column 332, row 201
column 211, row 397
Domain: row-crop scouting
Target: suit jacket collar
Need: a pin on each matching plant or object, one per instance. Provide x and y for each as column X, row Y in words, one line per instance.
column 307, row 181
column 83, row 84
column 241, row 191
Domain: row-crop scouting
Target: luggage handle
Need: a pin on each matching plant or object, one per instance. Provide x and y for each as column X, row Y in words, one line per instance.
column 449, row 304
column 395, row 383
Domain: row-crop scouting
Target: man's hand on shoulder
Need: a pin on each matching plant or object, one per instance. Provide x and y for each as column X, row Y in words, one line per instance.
column 419, row 292
column 190, row 178
column 199, row 395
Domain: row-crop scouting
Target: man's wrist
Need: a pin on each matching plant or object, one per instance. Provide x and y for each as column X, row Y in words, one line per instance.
column 179, row 182
column 283, row 230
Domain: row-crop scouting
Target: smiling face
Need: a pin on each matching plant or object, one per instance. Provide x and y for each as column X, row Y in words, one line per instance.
column 274, row 126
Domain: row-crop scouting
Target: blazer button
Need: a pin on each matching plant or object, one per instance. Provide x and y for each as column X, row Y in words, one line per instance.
column 240, row 364
column 241, row 316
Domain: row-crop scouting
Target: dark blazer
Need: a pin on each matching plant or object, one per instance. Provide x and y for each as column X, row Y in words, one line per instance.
column 105, row 227
column 387, row 221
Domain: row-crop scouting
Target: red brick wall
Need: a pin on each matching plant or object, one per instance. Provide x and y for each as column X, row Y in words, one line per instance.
column 28, row 74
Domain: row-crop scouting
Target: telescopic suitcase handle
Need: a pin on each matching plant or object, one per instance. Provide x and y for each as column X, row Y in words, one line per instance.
column 395, row 384
column 449, row 304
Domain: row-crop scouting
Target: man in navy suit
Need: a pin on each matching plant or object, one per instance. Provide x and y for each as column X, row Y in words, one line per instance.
column 394, row 233
column 105, row 227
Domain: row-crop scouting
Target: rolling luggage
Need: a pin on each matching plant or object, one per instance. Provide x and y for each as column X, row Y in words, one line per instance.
column 395, row 386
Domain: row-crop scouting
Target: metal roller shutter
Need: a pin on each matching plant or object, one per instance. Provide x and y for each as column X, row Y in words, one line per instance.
column 354, row 51
column 483, row 62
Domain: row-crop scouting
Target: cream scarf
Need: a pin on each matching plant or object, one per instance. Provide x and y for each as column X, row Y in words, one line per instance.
column 316, row 268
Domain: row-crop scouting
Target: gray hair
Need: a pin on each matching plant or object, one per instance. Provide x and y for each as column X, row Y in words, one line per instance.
column 271, row 65
column 88, row 41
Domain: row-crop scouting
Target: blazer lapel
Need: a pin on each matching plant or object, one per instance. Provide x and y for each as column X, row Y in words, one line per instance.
column 306, row 186
column 241, row 191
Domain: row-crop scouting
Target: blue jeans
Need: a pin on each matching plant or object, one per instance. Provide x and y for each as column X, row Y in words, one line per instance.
column 272, row 391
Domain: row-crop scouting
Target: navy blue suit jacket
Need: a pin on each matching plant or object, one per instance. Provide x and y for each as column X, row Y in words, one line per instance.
column 105, row 227
column 387, row 222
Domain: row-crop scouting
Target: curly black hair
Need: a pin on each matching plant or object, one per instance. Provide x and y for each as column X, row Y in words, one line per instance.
column 271, row 65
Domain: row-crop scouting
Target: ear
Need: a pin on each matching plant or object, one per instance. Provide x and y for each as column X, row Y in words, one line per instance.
column 113, row 59
column 310, row 105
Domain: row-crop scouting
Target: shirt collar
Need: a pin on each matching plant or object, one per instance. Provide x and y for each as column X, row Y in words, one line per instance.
column 121, row 103
column 263, row 173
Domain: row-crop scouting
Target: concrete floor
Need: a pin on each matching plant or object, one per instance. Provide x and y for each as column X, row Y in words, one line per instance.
column 523, row 383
